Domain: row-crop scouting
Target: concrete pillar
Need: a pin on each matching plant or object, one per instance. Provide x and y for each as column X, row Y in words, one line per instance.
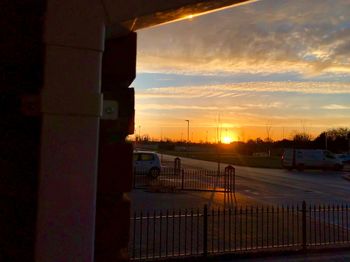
column 71, row 99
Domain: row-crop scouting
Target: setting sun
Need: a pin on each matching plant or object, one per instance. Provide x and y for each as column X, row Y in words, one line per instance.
column 227, row 140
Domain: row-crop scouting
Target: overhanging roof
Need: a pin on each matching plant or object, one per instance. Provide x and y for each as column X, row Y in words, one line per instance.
column 131, row 15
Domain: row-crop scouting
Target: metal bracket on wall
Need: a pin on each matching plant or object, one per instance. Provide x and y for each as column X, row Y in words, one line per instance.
column 110, row 110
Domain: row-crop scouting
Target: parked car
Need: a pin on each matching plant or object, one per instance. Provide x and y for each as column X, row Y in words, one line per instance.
column 147, row 163
column 310, row 158
column 345, row 158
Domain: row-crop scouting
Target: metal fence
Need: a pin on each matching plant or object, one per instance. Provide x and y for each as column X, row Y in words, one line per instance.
column 173, row 179
column 183, row 233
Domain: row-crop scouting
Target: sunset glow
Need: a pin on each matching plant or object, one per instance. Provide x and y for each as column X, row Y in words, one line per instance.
column 227, row 140
column 252, row 71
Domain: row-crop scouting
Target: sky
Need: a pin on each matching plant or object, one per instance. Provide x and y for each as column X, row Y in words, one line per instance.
column 265, row 69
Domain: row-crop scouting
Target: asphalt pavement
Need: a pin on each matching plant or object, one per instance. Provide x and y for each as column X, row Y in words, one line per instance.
column 256, row 186
column 282, row 187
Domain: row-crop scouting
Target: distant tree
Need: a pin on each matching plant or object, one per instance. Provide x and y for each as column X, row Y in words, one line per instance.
column 285, row 143
column 259, row 141
column 251, row 142
column 302, row 137
column 338, row 133
column 336, row 139
column 268, row 140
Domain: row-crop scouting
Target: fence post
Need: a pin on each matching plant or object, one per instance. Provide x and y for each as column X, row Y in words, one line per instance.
column 182, row 178
column 303, row 222
column 177, row 166
column 230, row 179
column 205, row 231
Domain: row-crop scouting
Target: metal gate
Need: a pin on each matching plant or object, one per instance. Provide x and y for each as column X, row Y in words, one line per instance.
column 174, row 179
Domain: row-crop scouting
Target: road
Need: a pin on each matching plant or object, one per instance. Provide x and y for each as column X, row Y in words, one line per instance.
column 254, row 187
column 277, row 186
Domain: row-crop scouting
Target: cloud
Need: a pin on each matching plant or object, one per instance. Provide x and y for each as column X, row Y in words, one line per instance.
column 206, row 108
column 243, row 89
column 190, row 92
column 310, row 37
column 285, row 104
column 336, row 107
column 174, row 107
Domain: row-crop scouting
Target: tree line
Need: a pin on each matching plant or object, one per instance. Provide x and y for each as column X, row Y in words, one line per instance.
column 336, row 140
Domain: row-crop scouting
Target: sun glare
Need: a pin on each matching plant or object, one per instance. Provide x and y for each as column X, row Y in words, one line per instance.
column 227, row 140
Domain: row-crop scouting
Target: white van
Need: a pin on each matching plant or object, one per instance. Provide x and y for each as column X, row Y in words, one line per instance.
column 310, row 158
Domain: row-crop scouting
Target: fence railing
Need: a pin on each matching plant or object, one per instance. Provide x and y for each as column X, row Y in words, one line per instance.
column 186, row 179
column 181, row 233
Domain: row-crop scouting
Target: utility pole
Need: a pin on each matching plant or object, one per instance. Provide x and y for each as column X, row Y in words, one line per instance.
column 188, row 135
column 325, row 139
column 139, row 132
column 188, row 130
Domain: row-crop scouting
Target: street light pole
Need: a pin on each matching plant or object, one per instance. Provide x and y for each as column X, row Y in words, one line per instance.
column 188, row 130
